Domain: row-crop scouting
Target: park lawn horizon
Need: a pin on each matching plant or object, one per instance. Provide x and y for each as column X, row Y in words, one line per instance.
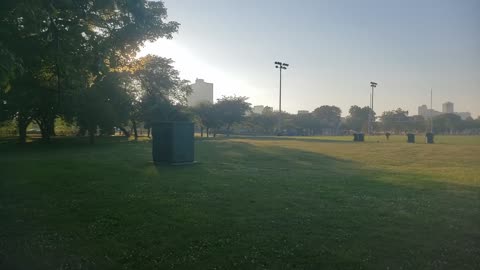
column 249, row 203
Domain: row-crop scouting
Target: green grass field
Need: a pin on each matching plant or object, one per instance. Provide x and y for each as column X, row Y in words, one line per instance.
column 250, row 203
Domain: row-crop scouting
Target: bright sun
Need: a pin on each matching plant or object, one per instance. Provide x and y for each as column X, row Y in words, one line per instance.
column 192, row 66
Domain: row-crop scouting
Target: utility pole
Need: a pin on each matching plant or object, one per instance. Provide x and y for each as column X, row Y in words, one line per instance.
column 371, row 121
column 431, row 110
column 280, row 66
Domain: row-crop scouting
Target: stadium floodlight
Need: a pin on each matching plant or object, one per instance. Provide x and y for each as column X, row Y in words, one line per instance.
column 371, row 115
column 281, row 66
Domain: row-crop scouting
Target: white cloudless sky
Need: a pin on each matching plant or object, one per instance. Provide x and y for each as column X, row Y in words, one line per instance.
column 334, row 48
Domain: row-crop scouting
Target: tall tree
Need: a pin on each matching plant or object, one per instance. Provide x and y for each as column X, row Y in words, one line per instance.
column 105, row 105
column 159, row 92
column 396, row 120
column 232, row 110
column 306, row 124
column 358, row 118
column 328, row 117
column 263, row 123
column 208, row 116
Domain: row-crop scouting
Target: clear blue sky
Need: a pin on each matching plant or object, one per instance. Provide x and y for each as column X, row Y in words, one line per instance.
column 335, row 48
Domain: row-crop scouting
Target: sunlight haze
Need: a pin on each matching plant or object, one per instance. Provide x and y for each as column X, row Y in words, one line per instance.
column 334, row 48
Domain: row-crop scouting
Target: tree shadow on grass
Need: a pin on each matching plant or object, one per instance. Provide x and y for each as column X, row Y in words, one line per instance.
column 62, row 143
column 328, row 139
column 376, row 218
column 241, row 207
column 320, row 211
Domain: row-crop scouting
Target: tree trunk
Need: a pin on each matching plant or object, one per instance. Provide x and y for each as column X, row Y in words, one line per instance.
column 91, row 134
column 207, row 131
column 22, row 124
column 201, row 132
column 51, row 127
column 44, row 129
column 148, row 132
column 134, row 127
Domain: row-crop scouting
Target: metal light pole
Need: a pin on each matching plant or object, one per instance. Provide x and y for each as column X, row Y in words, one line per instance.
column 280, row 66
column 431, row 110
column 372, row 116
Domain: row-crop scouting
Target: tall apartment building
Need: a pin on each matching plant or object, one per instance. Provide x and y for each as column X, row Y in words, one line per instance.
column 427, row 113
column 447, row 107
column 422, row 110
column 201, row 92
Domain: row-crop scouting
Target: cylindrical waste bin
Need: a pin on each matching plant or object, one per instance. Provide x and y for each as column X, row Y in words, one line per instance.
column 411, row 138
column 429, row 137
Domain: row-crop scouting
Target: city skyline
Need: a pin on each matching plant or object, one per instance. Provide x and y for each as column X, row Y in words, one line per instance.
column 334, row 48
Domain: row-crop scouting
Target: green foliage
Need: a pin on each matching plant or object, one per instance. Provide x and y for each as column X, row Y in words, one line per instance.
column 232, row 110
column 105, row 105
column 307, row 124
column 207, row 116
column 159, row 92
column 328, row 117
column 264, row 123
column 65, row 48
column 447, row 123
column 395, row 121
column 9, row 67
column 398, row 121
column 7, row 128
column 358, row 118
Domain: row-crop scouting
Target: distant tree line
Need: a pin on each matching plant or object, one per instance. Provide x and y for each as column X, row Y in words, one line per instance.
column 222, row 115
column 398, row 121
column 324, row 120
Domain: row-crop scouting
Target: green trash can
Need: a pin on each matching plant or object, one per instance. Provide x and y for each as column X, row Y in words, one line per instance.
column 429, row 137
column 358, row 137
column 173, row 142
column 411, row 138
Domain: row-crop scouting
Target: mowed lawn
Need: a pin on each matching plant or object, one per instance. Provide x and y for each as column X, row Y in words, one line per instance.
column 249, row 203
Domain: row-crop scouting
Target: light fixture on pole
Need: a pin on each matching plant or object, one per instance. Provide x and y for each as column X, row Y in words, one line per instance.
column 280, row 66
column 372, row 114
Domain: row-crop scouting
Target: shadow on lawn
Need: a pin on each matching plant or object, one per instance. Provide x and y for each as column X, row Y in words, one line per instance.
column 60, row 143
column 387, row 219
column 241, row 207
column 341, row 139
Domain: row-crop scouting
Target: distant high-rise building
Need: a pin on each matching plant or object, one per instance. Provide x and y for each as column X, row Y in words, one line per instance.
column 447, row 107
column 201, row 92
column 303, row 112
column 426, row 112
column 422, row 110
column 258, row 109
